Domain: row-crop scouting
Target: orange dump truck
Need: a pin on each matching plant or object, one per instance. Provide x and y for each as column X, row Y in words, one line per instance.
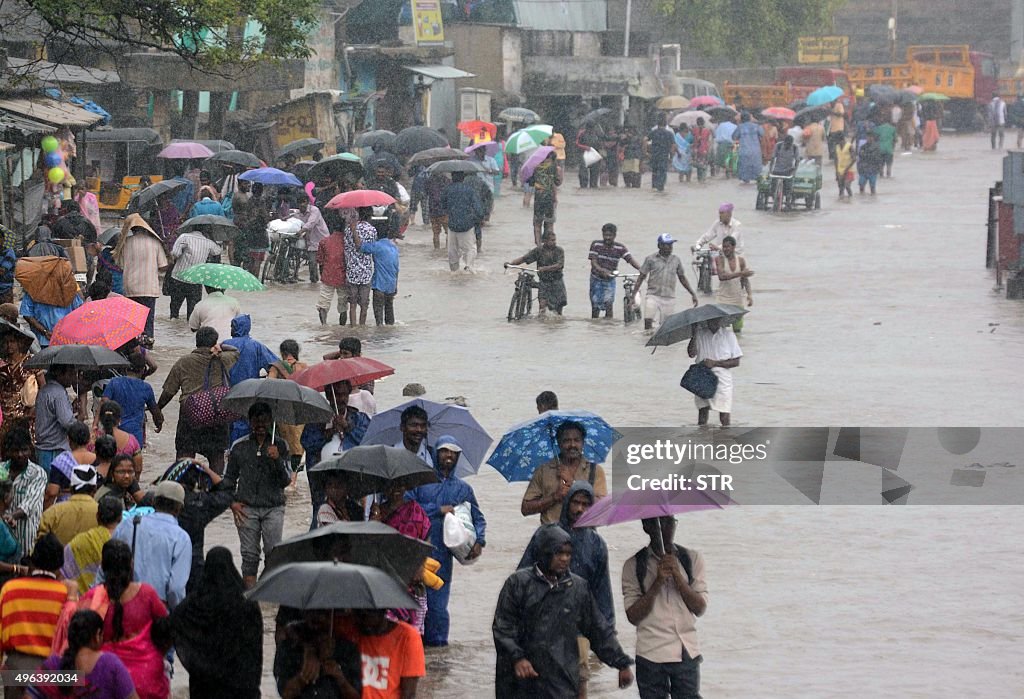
column 792, row 84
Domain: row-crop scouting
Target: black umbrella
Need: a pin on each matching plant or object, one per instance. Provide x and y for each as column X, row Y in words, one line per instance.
column 906, row 97
column 381, row 139
column 216, row 228
column 433, row 155
column 109, row 234
column 331, row 586
column 372, row 468
column 679, row 326
column 8, row 327
column 418, row 138
column 301, row 169
column 882, row 94
column 721, row 113
column 384, row 158
column 235, row 157
column 808, row 115
column 144, row 199
column 520, row 115
column 373, row 544
column 473, row 166
column 336, row 167
column 291, row 403
column 303, row 146
column 595, row 115
column 86, row 356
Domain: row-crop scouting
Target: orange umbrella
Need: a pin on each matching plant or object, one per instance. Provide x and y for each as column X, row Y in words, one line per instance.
column 473, row 128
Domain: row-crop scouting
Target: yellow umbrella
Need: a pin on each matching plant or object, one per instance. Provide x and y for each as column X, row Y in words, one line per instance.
column 672, row 102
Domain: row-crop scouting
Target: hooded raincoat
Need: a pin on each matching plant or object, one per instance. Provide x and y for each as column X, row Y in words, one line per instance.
column 253, row 357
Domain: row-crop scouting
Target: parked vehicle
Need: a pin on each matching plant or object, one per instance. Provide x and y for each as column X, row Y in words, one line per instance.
column 792, row 84
column 118, row 160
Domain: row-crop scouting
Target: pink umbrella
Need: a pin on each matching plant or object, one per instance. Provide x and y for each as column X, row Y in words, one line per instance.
column 779, row 113
column 491, row 147
column 634, row 505
column 536, row 158
column 185, row 150
column 702, row 101
column 359, row 198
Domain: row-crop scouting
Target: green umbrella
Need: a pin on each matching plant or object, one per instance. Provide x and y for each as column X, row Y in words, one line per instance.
column 522, row 142
column 222, row 277
column 928, row 96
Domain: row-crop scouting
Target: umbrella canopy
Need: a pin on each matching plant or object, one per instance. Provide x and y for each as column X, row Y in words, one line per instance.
column 271, row 176
column 882, row 94
column 291, row 403
column 915, row 89
column 86, row 356
column 679, row 326
column 672, row 102
column 108, row 235
column 221, row 276
column 217, row 145
column 489, row 147
column 235, row 157
column 7, row 327
column 217, row 228
column 536, row 158
column 705, row 101
column 690, row 118
column 444, row 419
column 302, row 168
column 336, row 167
column 595, row 115
column 824, row 95
column 809, row 115
column 906, row 97
column 373, row 544
column 783, row 113
column 383, row 159
column 433, row 155
column 331, row 586
column 539, row 132
column 522, row 142
column 373, row 469
column 356, row 370
column 185, row 150
column 300, row 147
column 529, row 444
column 145, row 199
column 448, row 166
column 476, row 126
column 418, row 138
column 932, row 97
column 379, row 139
column 109, row 323
column 359, row 198
column 519, row 115
column 721, row 113
column 635, row 505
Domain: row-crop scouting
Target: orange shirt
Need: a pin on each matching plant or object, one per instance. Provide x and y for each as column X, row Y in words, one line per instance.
column 29, row 609
column 387, row 659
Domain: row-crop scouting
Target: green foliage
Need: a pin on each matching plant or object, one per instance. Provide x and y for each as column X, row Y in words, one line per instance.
column 749, row 31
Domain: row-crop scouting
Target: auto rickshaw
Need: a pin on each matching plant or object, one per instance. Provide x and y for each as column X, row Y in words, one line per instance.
column 118, row 160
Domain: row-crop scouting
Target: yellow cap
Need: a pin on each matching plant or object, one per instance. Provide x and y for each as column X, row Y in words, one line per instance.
column 860, row 92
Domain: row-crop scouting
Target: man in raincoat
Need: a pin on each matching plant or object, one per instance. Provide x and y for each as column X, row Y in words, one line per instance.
column 437, row 500
column 541, row 611
column 253, row 358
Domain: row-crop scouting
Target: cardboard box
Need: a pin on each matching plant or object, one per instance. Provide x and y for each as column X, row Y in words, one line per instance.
column 76, row 253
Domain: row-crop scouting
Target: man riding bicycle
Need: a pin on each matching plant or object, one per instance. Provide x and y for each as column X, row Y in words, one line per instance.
column 784, row 161
column 725, row 225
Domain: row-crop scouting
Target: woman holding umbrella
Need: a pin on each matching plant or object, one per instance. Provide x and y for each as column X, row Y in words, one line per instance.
column 409, row 519
column 18, row 385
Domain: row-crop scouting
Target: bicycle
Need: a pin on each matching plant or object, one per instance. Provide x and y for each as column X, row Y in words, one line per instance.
column 522, row 296
column 702, row 270
column 630, row 308
column 284, row 260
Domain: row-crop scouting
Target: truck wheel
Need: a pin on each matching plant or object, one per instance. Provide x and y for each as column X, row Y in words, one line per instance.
column 817, row 200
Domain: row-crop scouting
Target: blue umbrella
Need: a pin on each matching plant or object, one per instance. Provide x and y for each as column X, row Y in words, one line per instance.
column 271, row 176
column 824, row 95
column 444, row 419
column 529, row 444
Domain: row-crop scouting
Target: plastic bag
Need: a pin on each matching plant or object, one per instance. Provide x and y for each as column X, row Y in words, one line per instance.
column 459, row 534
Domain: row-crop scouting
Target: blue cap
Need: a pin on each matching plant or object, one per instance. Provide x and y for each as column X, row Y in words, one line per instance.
column 666, row 239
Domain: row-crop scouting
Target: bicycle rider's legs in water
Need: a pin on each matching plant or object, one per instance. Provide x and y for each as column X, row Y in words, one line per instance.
column 604, row 261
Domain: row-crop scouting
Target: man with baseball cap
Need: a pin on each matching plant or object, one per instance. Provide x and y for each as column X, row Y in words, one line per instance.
column 724, row 226
column 77, row 514
column 661, row 270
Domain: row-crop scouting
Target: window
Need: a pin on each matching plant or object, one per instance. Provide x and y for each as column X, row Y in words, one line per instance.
column 988, row 67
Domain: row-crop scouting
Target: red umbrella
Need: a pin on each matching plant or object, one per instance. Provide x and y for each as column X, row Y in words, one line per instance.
column 355, row 370
column 360, row 198
column 473, row 128
column 108, row 323
column 705, row 101
column 779, row 113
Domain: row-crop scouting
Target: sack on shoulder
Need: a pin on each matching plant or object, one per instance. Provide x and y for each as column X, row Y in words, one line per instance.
column 29, row 391
column 700, row 381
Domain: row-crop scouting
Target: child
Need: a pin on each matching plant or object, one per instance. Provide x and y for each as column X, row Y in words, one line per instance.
column 330, row 258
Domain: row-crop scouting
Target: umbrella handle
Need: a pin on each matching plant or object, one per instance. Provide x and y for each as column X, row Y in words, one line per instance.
column 273, row 433
column 660, row 549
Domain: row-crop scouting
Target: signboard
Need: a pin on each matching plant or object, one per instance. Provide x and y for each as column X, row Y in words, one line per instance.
column 427, row 22
column 823, row 49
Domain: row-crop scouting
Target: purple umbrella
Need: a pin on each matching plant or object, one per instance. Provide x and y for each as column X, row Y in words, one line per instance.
column 491, row 147
column 634, row 505
column 185, row 150
column 536, row 158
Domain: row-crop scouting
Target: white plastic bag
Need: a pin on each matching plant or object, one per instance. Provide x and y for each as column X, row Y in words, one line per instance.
column 459, row 534
column 592, row 157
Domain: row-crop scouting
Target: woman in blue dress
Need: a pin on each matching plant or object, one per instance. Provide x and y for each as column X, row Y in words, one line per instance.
column 749, row 136
column 681, row 161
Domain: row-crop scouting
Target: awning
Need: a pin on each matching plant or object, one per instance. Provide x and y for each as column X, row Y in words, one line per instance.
column 62, row 73
column 11, row 122
column 4, row 145
column 440, row 72
column 50, row 112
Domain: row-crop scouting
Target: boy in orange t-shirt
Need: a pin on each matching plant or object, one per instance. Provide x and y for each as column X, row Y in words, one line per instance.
column 391, row 653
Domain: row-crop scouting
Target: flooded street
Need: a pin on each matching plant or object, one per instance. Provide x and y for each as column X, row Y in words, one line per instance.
column 877, row 311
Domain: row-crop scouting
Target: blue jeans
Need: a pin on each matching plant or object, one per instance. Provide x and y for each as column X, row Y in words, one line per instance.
column 668, row 680
column 437, row 621
column 602, row 293
column 871, row 179
column 659, row 172
column 45, row 457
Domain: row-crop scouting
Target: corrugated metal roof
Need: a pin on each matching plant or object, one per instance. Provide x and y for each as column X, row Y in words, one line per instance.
column 563, row 15
column 4, row 145
column 440, row 72
column 9, row 121
column 62, row 73
column 50, row 111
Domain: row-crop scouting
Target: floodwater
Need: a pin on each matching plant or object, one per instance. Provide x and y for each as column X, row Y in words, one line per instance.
column 873, row 312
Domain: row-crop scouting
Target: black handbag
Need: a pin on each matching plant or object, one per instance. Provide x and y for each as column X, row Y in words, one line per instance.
column 700, row 381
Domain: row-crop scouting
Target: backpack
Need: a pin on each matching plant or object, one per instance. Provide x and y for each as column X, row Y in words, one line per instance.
column 641, row 565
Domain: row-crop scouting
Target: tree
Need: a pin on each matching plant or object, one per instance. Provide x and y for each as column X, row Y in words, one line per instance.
column 749, row 31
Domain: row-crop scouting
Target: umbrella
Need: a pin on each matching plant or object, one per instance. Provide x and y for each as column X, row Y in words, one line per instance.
column 291, row 403
column 447, row 166
column 8, row 327
column 932, row 97
column 529, row 444
column 536, row 158
column 373, row 544
column 359, row 198
column 144, row 199
column 634, row 505
column 882, row 94
column 906, row 97
column 473, row 128
column 783, row 113
column 355, row 370
column 915, row 89
column 337, row 166
column 109, row 323
column 88, row 356
column 824, row 95
column 433, row 155
column 721, row 113
column 379, row 139
column 302, row 146
column 595, row 115
column 271, row 176
column 539, row 132
column 672, row 102
column 221, row 276
column 808, row 115
column 520, row 115
column 522, row 142
column 690, row 118
column 489, row 147
column 185, row 150
column 235, row 157
column 373, row 469
column 216, row 228
column 444, row 419
column 385, row 159
column 705, row 101
column 108, row 235
column 216, row 145
column 418, row 138
column 331, row 586
column 679, row 326
column 302, row 168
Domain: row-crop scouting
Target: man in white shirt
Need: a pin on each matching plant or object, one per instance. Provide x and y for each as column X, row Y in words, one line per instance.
column 315, row 229
column 725, row 225
column 997, row 118
column 715, row 346
column 190, row 249
column 215, row 311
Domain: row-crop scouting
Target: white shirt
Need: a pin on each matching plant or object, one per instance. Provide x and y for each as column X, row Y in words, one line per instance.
column 718, row 346
column 718, row 232
column 192, row 249
column 897, row 114
column 797, row 132
column 215, row 311
column 363, row 401
column 997, row 111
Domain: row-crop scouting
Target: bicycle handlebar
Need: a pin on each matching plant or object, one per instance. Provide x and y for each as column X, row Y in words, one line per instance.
column 625, row 274
column 531, row 270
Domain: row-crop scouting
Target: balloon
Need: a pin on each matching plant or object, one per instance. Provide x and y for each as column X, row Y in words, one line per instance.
column 50, row 144
column 53, row 159
column 55, row 175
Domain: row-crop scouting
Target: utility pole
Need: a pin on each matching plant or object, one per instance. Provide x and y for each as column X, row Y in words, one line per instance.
column 893, row 19
column 625, row 54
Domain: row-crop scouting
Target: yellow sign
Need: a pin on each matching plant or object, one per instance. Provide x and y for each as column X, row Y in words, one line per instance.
column 823, row 49
column 427, row 21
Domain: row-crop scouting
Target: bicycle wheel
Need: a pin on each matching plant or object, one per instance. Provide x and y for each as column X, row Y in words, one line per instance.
column 526, row 302
column 513, row 306
column 268, row 265
column 294, row 264
column 778, row 195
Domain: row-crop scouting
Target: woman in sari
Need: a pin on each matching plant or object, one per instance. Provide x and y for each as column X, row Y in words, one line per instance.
column 408, row 518
column 17, row 384
column 749, row 136
column 110, row 423
column 771, row 137
column 681, row 160
column 166, row 222
column 288, row 365
column 701, row 148
column 931, row 112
